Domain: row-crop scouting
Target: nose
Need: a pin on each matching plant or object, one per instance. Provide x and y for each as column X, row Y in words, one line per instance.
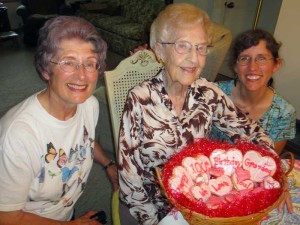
column 253, row 64
column 80, row 71
column 193, row 54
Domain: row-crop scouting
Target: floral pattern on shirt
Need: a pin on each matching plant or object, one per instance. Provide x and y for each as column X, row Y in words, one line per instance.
column 151, row 132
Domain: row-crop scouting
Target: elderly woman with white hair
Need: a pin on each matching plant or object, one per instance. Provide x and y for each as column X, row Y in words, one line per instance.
column 172, row 109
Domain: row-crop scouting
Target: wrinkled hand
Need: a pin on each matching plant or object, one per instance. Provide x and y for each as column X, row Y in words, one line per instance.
column 141, row 47
column 288, row 202
column 112, row 173
column 85, row 220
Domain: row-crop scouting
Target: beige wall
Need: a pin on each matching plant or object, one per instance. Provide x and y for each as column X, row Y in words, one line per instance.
column 287, row 79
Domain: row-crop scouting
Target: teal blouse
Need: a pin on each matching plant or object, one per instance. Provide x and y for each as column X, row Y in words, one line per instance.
column 279, row 121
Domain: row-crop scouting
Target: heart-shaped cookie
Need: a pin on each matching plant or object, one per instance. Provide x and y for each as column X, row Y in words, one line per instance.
column 242, row 174
column 220, row 186
column 228, row 160
column 181, row 180
column 201, row 191
column 197, row 165
column 202, row 178
column 241, row 184
column 259, row 166
column 270, row 183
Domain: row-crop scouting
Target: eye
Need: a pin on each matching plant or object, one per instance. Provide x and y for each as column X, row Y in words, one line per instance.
column 201, row 48
column 69, row 63
column 90, row 64
column 183, row 45
column 261, row 59
column 244, row 59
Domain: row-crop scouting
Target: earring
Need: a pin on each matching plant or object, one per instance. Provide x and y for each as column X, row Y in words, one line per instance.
column 270, row 82
column 235, row 81
column 160, row 61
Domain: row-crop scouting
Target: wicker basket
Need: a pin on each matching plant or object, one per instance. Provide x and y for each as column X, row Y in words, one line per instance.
column 195, row 218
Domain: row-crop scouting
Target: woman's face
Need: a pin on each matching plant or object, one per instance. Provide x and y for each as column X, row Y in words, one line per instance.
column 254, row 76
column 72, row 88
column 183, row 68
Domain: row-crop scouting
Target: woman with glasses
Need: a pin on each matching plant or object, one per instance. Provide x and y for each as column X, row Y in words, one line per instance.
column 255, row 59
column 172, row 109
column 47, row 142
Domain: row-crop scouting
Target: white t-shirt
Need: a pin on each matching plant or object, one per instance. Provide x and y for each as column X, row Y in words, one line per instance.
column 45, row 162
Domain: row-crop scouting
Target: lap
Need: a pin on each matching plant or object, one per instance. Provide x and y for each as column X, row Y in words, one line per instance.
column 285, row 217
column 125, row 217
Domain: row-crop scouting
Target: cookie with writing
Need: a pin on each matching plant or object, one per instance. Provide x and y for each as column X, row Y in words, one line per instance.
column 220, row 186
column 201, row 191
column 196, row 165
column 181, row 180
column 259, row 166
column 228, row 160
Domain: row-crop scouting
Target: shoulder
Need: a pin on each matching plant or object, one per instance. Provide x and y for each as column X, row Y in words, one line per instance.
column 92, row 101
column 226, row 86
column 203, row 85
column 148, row 86
column 23, row 112
column 281, row 103
column 91, row 107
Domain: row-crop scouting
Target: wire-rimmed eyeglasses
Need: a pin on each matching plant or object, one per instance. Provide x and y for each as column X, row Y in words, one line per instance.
column 259, row 60
column 184, row 47
column 71, row 66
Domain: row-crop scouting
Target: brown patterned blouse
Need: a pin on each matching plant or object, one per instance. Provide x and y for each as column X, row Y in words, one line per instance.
column 151, row 133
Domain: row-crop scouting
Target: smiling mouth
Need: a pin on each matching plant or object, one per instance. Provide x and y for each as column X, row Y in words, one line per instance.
column 77, row 87
column 253, row 77
column 189, row 69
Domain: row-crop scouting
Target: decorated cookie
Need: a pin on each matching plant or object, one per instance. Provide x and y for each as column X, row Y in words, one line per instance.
column 242, row 174
column 228, row 160
column 216, row 172
column 270, row 183
column 201, row 191
column 241, row 184
column 220, row 186
column 258, row 166
column 215, row 202
column 181, row 180
column 202, row 178
column 196, row 166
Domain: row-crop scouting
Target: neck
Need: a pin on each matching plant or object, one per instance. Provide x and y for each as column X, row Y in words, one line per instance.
column 252, row 97
column 252, row 103
column 53, row 106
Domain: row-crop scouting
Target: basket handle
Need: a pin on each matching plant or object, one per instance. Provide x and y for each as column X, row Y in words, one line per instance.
column 158, row 173
column 292, row 158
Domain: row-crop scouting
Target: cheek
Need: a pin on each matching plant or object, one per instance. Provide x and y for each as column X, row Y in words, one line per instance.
column 202, row 60
column 93, row 77
column 237, row 69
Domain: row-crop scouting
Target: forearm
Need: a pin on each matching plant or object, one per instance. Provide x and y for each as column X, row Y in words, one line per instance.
column 111, row 169
column 279, row 146
column 99, row 155
column 24, row 218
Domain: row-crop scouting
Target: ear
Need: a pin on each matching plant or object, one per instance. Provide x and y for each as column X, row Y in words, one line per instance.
column 158, row 51
column 277, row 65
column 46, row 76
column 235, row 68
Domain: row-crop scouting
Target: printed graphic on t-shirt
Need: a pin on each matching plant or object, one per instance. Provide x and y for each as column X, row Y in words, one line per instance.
column 66, row 172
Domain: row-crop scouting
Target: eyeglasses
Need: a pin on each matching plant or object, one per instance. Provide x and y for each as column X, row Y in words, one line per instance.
column 184, row 47
column 70, row 65
column 259, row 60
